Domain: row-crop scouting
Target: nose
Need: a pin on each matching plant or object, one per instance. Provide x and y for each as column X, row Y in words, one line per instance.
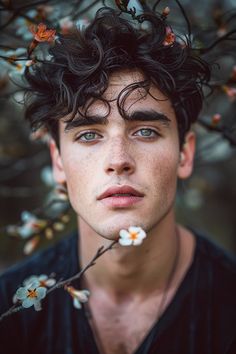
column 119, row 159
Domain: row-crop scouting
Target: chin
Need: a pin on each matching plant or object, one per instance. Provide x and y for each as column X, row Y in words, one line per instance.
column 111, row 232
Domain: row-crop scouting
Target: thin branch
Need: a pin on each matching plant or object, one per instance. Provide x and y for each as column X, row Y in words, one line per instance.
column 225, row 132
column 79, row 13
column 98, row 254
column 66, row 282
column 11, row 310
column 21, row 165
column 221, row 39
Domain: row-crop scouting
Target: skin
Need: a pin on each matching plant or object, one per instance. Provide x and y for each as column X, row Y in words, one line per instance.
column 146, row 156
column 119, row 155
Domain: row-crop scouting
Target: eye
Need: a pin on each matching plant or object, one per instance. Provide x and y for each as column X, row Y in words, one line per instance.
column 146, row 132
column 87, row 136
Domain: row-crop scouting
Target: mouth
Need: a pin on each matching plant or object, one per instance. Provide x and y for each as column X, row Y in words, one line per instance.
column 120, row 196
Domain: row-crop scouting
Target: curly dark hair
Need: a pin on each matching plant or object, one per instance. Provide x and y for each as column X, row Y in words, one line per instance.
column 82, row 62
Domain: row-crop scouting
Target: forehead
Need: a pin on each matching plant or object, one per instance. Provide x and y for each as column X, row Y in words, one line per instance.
column 125, row 85
column 118, row 81
column 124, row 89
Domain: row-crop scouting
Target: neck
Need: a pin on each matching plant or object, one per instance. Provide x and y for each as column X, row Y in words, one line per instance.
column 131, row 270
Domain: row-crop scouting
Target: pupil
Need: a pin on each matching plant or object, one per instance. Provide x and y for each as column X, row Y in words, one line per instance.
column 146, row 132
column 90, row 135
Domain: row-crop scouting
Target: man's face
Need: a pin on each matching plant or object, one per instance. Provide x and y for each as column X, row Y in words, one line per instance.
column 141, row 153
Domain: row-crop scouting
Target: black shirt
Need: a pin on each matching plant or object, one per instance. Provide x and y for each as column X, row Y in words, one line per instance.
column 201, row 319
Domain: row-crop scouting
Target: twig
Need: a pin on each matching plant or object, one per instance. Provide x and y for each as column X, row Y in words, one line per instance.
column 225, row 131
column 81, row 12
column 11, row 310
column 63, row 283
column 98, row 254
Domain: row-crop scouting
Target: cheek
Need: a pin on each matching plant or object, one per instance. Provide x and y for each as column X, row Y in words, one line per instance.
column 80, row 172
column 163, row 172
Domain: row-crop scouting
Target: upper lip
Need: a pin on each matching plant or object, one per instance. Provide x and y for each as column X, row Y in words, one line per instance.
column 119, row 190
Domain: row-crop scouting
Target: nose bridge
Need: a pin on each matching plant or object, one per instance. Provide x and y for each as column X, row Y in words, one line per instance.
column 119, row 146
column 119, row 157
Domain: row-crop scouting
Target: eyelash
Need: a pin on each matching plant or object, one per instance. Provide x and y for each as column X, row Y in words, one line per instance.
column 150, row 130
column 79, row 138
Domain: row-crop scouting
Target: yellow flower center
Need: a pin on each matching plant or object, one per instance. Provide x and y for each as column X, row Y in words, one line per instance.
column 70, row 290
column 19, row 67
column 12, row 59
column 32, row 293
column 133, row 235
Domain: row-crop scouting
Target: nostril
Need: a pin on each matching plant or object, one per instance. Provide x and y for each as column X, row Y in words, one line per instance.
column 126, row 168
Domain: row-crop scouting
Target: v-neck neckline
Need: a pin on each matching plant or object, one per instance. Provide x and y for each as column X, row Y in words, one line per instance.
column 164, row 319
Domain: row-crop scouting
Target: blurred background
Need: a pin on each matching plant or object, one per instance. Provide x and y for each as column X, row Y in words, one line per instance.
column 33, row 212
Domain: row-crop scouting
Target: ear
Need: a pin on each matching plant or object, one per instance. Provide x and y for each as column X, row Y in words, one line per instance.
column 187, row 156
column 57, row 165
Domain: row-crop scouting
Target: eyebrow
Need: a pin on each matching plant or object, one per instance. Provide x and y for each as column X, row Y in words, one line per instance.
column 149, row 115
column 142, row 116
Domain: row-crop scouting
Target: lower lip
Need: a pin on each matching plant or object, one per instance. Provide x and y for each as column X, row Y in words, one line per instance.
column 121, row 202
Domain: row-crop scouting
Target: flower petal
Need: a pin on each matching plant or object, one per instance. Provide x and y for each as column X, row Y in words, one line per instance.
column 86, row 292
column 28, row 302
column 31, row 245
column 41, row 293
column 50, row 282
column 82, row 295
column 125, row 242
column 137, row 242
column 14, row 299
column 28, row 281
column 134, row 229
column 37, row 306
column 124, row 234
column 77, row 303
column 21, row 293
column 27, row 216
column 142, row 234
column 34, row 284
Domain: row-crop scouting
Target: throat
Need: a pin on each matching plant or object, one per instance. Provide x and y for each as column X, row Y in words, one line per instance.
column 107, row 319
column 121, row 321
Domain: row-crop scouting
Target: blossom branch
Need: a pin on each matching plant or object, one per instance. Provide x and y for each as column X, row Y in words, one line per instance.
column 35, row 287
column 68, row 281
column 64, row 283
column 10, row 311
column 224, row 131
column 81, row 12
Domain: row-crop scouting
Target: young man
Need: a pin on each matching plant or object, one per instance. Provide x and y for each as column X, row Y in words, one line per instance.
column 119, row 101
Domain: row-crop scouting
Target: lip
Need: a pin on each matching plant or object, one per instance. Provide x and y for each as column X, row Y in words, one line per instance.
column 121, row 202
column 120, row 190
column 109, row 199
